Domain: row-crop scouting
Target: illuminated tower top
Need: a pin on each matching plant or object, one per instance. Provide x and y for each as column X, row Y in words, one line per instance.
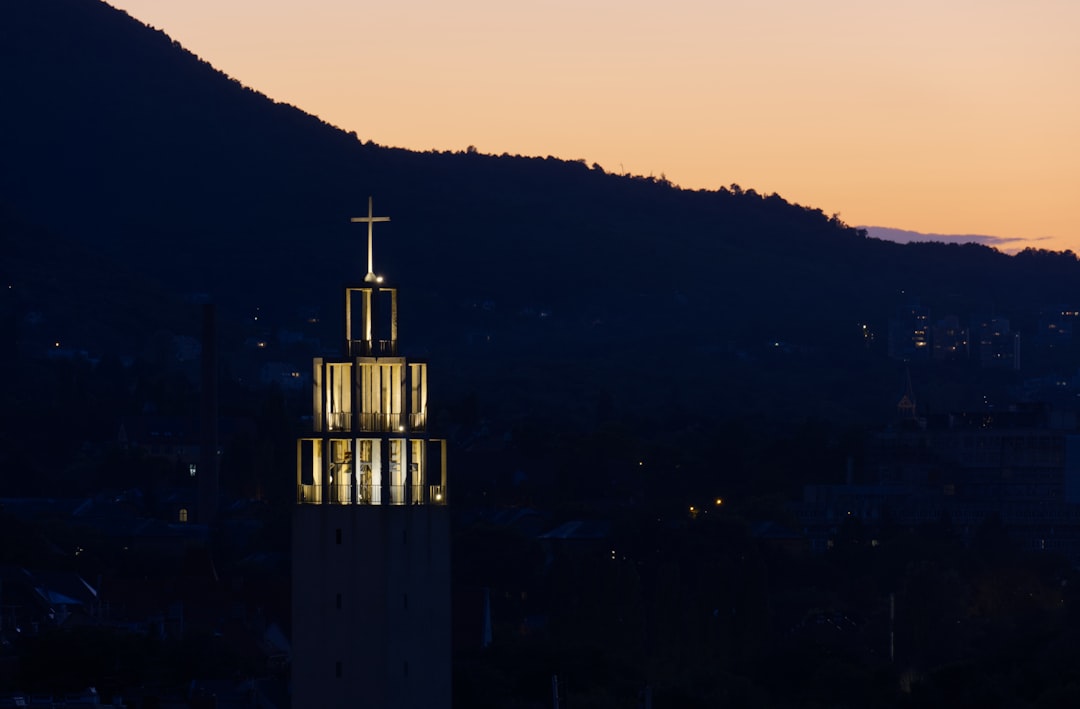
column 370, row 444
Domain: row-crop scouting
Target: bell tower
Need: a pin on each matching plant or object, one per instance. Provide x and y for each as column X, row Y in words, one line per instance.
column 371, row 546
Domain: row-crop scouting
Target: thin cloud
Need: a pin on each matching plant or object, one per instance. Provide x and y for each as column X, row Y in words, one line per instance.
column 1008, row 244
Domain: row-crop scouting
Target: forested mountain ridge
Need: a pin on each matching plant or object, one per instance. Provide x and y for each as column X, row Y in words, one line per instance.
column 118, row 139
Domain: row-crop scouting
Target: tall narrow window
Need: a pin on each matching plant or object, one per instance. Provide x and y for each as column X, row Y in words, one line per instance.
column 309, row 474
column 337, row 535
column 339, row 397
column 397, row 472
column 417, row 471
column 365, row 481
column 337, row 669
column 341, row 471
column 418, row 396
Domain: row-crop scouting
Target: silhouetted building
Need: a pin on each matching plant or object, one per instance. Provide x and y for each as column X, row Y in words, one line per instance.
column 998, row 347
column 988, row 338
column 1020, row 465
column 371, row 547
column 949, row 340
column 909, row 333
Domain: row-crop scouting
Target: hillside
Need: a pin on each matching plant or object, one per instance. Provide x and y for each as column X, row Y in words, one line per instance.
column 535, row 280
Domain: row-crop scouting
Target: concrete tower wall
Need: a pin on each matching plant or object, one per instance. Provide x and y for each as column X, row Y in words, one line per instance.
column 371, row 606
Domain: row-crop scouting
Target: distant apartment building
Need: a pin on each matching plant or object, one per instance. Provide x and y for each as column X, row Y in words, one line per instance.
column 949, row 340
column 909, row 333
column 915, row 337
column 997, row 346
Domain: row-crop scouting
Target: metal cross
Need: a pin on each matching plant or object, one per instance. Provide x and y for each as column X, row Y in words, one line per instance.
column 370, row 221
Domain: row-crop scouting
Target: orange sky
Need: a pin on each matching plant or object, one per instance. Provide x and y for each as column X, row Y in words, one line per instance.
column 940, row 116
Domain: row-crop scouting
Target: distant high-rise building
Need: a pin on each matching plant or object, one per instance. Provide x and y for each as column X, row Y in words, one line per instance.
column 909, row 333
column 998, row 346
column 371, row 541
column 950, row 340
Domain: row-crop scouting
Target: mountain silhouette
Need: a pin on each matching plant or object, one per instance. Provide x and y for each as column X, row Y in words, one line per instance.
column 119, row 141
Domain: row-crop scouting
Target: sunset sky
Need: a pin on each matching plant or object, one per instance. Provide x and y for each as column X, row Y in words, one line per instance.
column 938, row 116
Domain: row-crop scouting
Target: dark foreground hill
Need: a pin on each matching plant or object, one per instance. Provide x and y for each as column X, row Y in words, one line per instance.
column 537, row 278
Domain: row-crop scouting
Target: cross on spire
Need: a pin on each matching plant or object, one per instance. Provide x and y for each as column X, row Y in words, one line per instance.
column 370, row 221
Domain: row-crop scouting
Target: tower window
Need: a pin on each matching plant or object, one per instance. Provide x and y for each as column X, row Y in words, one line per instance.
column 337, row 669
column 337, row 535
column 183, row 514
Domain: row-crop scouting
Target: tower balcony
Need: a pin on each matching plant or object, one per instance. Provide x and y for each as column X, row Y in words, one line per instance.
column 339, row 421
column 359, row 494
column 373, row 348
column 385, row 423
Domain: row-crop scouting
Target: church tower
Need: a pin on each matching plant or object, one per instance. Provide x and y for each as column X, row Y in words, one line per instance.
column 371, row 533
